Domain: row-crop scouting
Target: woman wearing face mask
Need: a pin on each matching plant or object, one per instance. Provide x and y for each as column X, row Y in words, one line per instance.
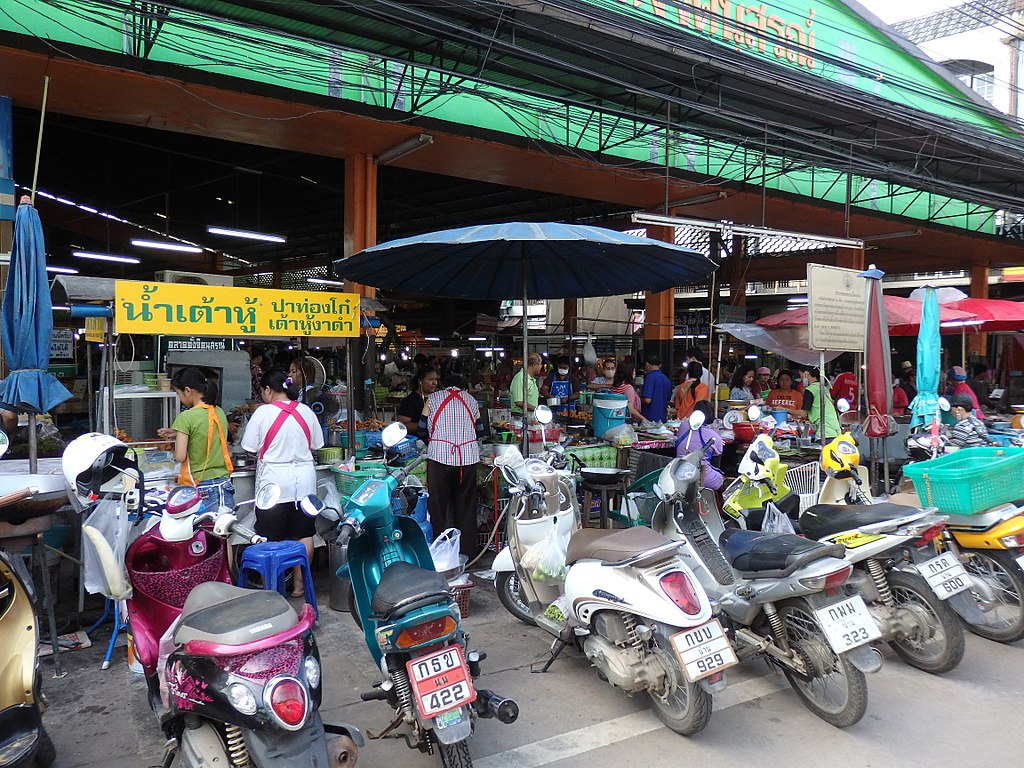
column 561, row 385
column 606, row 377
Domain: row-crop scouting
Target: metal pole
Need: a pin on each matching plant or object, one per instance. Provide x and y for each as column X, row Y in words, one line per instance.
column 39, row 138
column 821, row 394
column 108, row 336
column 90, row 392
column 350, row 372
column 963, row 346
column 718, row 370
column 526, row 351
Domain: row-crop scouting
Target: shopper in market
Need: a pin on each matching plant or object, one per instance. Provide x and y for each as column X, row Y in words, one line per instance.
column 908, row 380
column 815, row 399
column 763, row 384
column 690, row 391
column 622, row 384
column 978, row 382
column 451, row 419
column 688, row 440
column 411, row 407
column 283, row 434
column 741, row 384
column 959, row 386
column 969, row 431
column 695, row 355
column 784, row 397
column 525, row 404
column 200, row 436
column 657, row 390
column 561, row 384
column 607, row 377
column 302, row 372
column 845, row 386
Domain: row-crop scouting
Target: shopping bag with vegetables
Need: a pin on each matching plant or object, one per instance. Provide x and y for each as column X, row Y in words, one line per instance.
column 550, row 566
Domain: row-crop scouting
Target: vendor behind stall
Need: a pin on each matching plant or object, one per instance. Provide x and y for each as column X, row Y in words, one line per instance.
column 814, row 399
column 784, row 397
column 409, row 410
column 525, row 403
column 560, row 384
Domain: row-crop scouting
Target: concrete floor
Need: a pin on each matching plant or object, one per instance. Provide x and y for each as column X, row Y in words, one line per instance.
column 569, row 718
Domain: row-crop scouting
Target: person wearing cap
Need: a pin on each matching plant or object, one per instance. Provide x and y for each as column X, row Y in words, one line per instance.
column 969, row 431
column 764, row 381
column 908, row 380
column 958, row 380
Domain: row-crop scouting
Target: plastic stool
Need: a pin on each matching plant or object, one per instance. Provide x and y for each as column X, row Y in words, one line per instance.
column 609, row 493
column 271, row 560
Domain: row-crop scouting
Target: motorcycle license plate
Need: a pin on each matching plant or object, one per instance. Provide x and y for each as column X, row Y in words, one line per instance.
column 440, row 681
column 703, row 650
column 847, row 624
column 944, row 575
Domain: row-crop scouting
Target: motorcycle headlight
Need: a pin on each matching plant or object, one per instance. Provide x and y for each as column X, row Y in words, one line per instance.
column 241, row 698
column 312, row 669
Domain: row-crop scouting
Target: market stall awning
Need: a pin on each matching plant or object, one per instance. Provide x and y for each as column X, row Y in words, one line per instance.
column 904, row 317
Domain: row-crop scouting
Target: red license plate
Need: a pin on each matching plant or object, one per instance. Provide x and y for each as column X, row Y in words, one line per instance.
column 440, row 681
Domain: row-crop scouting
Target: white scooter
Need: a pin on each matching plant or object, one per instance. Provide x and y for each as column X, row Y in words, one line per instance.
column 624, row 597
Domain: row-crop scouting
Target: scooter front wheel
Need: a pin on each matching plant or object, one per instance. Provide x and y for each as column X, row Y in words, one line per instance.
column 683, row 706
column 1007, row 583
column 510, row 595
column 456, row 755
column 834, row 690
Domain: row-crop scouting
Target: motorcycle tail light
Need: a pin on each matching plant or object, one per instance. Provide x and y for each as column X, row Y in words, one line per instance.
column 930, row 533
column 424, row 633
column 680, row 591
column 1012, row 542
column 836, row 579
column 288, row 701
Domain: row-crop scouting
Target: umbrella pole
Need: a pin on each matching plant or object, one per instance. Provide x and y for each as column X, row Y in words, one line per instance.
column 718, row 371
column 526, row 351
column 33, row 444
column 39, row 148
column 822, row 393
column 963, row 346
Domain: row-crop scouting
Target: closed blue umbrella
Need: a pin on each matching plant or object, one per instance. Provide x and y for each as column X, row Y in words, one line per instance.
column 927, row 401
column 26, row 321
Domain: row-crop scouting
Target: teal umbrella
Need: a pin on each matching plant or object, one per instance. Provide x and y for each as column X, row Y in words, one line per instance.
column 26, row 323
column 926, row 403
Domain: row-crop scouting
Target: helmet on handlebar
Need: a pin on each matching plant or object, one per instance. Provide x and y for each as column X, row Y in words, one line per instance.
column 93, row 464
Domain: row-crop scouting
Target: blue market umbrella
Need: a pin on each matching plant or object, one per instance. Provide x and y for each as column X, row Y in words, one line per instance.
column 927, row 401
column 522, row 260
column 26, row 321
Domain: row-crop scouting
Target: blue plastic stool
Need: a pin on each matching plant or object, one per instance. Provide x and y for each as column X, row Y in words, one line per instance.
column 271, row 560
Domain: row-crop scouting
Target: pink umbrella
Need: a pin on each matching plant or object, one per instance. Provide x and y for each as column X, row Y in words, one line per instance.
column 994, row 314
column 904, row 316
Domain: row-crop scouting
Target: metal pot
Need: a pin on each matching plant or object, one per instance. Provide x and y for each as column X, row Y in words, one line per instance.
column 334, row 438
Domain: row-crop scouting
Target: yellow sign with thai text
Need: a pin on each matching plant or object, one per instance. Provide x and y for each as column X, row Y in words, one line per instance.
column 209, row 310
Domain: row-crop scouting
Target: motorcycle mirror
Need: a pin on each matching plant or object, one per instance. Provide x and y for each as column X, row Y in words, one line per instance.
column 543, row 414
column 842, row 405
column 5, row 443
column 753, row 413
column 697, row 420
column 943, row 404
column 268, row 496
column 393, row 434
column 312, row 505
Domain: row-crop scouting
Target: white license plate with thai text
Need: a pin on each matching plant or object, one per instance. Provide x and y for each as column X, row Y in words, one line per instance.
column 703, row 650
column 440, row 681
column 847, row 624
column 944, row 575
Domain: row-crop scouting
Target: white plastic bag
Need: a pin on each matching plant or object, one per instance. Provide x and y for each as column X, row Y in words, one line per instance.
column 331, row 497
column 445, row 550
column 104, row 542
column 623, row 434
column 776, row 521
column 550, row 567
column 589, row 353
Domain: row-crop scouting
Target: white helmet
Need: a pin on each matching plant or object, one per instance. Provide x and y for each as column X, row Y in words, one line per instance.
column 92, row 461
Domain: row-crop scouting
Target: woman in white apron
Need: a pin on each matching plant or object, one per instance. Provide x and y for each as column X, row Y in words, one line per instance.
column 284, row 433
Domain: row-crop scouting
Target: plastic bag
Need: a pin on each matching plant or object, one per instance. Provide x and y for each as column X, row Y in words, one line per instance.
column 445, row 550
column 104, row 542
column 550, row 567
column 623, row 434
column 776, row 521
column 589, row 353
column 331, row 497
column 559, row 609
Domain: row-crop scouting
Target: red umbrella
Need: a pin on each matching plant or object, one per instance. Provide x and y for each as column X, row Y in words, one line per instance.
column 904, row 316
column 994, row 314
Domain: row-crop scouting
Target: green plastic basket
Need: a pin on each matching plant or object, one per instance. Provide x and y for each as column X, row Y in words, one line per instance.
column 348, row 480
column 969, row 481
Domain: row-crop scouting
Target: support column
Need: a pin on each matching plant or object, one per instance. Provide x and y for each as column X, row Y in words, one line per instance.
column 360, row 231
column 570, row 311
column 977, row 343
column 734, row 270
column 850, row 258
column 660, row 310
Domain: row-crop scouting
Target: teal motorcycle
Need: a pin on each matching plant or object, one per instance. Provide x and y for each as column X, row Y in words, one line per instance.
column 410, row 621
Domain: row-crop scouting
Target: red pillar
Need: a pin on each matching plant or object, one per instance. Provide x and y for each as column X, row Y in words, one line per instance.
column 734, row 270
column 660, row 309
column 977, row 343
column 360, row 225
column 850, row 258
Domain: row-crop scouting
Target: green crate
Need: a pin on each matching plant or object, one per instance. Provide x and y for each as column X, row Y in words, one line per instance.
column 348, row 480
column 969, row 481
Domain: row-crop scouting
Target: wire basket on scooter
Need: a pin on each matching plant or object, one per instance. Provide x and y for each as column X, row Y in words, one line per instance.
column 805, row 481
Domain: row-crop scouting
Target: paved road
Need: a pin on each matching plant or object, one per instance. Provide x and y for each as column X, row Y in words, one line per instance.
column 971, row 716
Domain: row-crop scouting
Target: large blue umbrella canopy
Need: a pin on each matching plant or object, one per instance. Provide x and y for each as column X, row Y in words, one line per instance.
column 538, row 260
column 26, row 321
column 927, row 401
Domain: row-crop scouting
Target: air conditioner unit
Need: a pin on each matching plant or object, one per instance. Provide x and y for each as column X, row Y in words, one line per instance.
column 192, row 278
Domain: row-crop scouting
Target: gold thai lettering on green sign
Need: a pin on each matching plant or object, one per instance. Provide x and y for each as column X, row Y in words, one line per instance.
column 156, row 308
column 752, row 26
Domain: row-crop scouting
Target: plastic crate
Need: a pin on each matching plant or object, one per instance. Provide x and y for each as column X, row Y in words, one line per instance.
column 372, row 439
column 460, row 593
column 348, row 480
column 968, row 481
column 406, row 449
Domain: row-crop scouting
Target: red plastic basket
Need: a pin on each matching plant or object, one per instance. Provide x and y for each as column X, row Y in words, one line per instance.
column 461, row 595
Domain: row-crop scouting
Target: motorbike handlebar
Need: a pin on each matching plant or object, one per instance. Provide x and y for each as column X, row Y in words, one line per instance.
column 345, row 534
column 249, row 535
column 409, row 468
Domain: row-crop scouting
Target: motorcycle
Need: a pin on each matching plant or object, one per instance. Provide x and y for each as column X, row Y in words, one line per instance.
column 23, row 738
column 781, row 596
column 234, row 674
column 411, row 623
column 624, row 598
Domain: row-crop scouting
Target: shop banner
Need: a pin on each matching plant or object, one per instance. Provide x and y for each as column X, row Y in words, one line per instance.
column 836, row 308
column 208, row 310
column 165, row 344
column 6, row 161
column 62, row 344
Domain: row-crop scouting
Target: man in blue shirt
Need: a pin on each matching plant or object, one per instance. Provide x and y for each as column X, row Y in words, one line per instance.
column 657, row 390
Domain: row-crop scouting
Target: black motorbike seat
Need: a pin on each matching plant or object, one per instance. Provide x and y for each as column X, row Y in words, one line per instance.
column 403, row 587
column 757, row 551
column 823, row 520
column 611, row 546
column 229, row 615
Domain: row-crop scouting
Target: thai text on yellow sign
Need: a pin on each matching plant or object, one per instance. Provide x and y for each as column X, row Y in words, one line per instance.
column 207, row 310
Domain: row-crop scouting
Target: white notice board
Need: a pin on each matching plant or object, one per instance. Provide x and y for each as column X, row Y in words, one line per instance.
column 836, row 308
